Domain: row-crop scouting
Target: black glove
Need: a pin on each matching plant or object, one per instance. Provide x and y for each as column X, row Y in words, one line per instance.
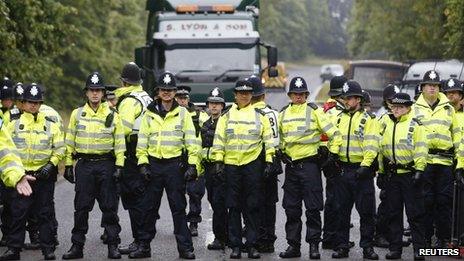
column 191, row 173
column 364, row 173
column 45, row 171
column 145, row 171
column 69, row 174
column 330, row 166
column 416, row 180
column 117, row 173
column 382, row 180
column 284, row 157
column 267, row 170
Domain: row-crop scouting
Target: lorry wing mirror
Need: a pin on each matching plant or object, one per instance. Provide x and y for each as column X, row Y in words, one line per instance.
column 140, row 56
column 272, row 72
column 272, row 56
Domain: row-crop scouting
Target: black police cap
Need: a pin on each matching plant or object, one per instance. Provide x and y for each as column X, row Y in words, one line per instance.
column 431, row 77
column 257, row 84
column 18, row 91
column 94, row 81
column 336, row 85
column 183, row 90
column 6, row 88
column 243, row 85
column 167, row 81
column 401, row 98
column 452, row 84
column 389, row 91
column 131, row 74
column 33, row 92
column 298, row 85
column 216, row 95
column 352, row 88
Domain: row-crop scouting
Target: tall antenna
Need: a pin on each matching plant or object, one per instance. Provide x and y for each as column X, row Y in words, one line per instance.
column 462, row 67
column 435, row 65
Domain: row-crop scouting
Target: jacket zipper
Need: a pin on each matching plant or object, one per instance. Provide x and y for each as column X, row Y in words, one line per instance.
column 348, row 142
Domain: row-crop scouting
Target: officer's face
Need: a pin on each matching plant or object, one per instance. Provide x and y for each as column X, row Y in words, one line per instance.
column 215, row 108
column 399, row 110
column 430, row 90
column 7, row 103
column 243, row 98
column 455, row 97
column 352, row 102
column 167, row 95
column 31, row 107
column 298, row 98
column 94, row 95
column 183, row 100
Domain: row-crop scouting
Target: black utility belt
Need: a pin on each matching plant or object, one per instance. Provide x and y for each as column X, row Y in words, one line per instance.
column 169, row 160
column 444, row 153
column 94, row 157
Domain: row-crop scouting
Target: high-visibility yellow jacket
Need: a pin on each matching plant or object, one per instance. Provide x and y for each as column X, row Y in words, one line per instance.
column 52, row 114
column 403, row 142
column 360, row 137
column 11, row 167
column 273, row 117
column 167, row 137
column 94, row 132
column 38, row 140
column 241, row 135
column 301, row 126
column 441, row 126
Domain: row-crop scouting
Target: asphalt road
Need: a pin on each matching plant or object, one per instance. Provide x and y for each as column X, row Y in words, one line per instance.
column 164, row 246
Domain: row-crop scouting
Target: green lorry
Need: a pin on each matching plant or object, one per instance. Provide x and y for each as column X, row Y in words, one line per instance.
column 205, row 43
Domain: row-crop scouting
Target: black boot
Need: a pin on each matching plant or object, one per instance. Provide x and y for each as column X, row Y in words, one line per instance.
column 113, row 252
column 393, row 255
column 314, row 251
column 253, row 253
column 236, row 253
column 340, row 253
column 381, row 241
column 266, row 248
column 291, row 252
column 193, row 229
column 34, row 244
column 75, row 252
column 11, row 254
column 368, row 253
column 216, row 245
column 49, row 254
column 127, row 249
column 187, row 255
column 143, row 251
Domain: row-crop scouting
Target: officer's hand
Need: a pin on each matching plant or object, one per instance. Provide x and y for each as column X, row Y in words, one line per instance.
column 382, row 180
column 267, row 170
column 364, row 173
column 416, row 180
column 145, row 171
column 23, row 187
column 44, row 172
column 69, row 174
column 191, row 173
column 117, row 173
column 285, row 158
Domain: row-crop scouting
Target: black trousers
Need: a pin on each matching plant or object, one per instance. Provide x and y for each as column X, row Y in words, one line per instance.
column 361, row 193
column 266, row 232
column 40, row 203
column 195, row 191
column 382, row 217
column 402, row 193
column 331, row 208
column 166, row 175
column 303, row 184
column 438, row 189
column 216, row 191
column 243, row 197
column 132, row 191
column 94, row 181
column 5, row 216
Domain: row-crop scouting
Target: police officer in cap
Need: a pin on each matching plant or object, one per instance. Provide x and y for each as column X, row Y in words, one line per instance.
column 301, row 125
column 39, row 160
column 453, row 90
column 6, row 94
column 357, row 154
column 166, row 131
column 402, row 160
column 215, row 185
column 95, row 137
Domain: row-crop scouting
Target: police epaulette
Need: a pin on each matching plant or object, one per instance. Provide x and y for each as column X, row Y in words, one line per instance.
column 284, row 108
column 371, row 114
column 48, row 118
column 312, row 105
column 417, row 121
column 260, row 111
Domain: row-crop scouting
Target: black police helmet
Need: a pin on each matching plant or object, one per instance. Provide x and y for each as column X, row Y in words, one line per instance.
column 389, row 91
column 298, row 85
column 18, row 91
column 216, row 95
column 167, row 81
column 336, row 85
column 352, row 88
column 431, row 77
column 131, row 74
column 367, row 97
column 243, row 85
column 33, row 92
column 6, row 89
column 257, row 84
column 183, row 90
column 94, row 81
column 401, row 98
column 452, row 84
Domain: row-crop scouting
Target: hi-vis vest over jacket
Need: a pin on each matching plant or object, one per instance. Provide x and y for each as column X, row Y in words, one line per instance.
column 95, row 132
column 132, row 103
column 38, row 140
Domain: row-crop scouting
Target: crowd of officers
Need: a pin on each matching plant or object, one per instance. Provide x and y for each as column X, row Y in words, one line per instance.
column 123, row 143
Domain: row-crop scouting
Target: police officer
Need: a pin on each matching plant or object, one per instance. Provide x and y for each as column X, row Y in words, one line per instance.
column 131, row 105
column 443, row 135
column 332, row 107
column 357, row 154
column 166, row 129
column 6, row 94
column 215, row 185
column 366, row 101
column 402, row 160
column 195, row 188
column 301, row 125
column 95, row 137
column 241, row 136
column 452, row 88
column 267, row 236
column 41, row 146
